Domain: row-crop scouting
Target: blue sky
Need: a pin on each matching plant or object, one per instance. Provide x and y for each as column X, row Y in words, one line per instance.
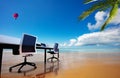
column 57, row 21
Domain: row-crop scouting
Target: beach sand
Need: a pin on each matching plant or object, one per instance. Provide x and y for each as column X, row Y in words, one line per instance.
column 71, row 65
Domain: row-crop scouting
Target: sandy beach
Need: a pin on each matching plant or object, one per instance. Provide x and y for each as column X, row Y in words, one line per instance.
column 71, row 65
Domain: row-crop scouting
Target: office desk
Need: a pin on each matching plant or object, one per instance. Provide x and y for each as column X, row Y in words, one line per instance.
column 45, row 51
column 15, row 48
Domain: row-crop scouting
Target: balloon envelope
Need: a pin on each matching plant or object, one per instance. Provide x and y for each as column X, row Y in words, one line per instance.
column 15, row 15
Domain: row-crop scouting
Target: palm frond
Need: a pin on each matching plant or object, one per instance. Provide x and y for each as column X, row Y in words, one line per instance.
column 88, row 1
column 95, row 6
column 118, row 1
column 111, row 15
column 105, row 8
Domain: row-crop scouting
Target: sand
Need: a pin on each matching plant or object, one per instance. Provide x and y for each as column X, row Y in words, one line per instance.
column 71, row 65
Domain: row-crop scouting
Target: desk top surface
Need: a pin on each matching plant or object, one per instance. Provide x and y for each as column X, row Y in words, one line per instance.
column 12, row 41
column 9, row 40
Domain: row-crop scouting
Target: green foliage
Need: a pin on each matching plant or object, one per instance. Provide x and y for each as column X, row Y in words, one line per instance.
column 87, row 1
column 97, row 6
column 113, row 12
column 102, row 5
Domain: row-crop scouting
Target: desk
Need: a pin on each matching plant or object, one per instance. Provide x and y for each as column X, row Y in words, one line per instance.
column 15, row 48
column 45, row 49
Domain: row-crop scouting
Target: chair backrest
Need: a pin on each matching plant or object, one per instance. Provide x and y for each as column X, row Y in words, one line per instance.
column 55, row 48
column 28, row 44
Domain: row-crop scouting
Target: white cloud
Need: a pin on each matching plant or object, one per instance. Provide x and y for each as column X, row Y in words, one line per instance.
column 72, row 42
column 110, row 36
column 106, row 37
column 63, row 45
column 100, row 18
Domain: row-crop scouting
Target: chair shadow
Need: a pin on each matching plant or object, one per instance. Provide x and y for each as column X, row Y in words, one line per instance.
column 49, row 67
column 53, row 67
column 24, row 71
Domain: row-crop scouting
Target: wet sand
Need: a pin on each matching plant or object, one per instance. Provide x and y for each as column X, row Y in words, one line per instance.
column 91, row 69
column 71, row 65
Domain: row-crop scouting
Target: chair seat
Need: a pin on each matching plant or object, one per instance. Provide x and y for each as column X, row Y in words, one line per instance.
column 52, row 52
column 28, row 55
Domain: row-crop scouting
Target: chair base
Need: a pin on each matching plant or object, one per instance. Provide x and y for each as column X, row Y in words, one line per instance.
column 22, row 65
column 52, row 59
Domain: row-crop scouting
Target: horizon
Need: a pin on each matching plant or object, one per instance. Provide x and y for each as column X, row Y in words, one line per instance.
column 57, row 21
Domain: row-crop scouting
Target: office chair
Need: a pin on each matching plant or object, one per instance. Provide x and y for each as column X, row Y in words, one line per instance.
column 53, row 52
column 27, row 48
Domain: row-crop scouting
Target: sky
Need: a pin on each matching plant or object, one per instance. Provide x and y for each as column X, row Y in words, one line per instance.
column 54, row 21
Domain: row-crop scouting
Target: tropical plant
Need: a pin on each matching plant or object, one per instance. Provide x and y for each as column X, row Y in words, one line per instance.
column 102, row 5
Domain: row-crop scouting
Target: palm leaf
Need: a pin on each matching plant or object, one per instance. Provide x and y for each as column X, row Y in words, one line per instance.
column 95, row 6
column 118, row 1
column 111, row 15
column 87, row 1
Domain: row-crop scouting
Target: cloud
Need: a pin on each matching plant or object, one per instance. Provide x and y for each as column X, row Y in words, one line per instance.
column 63, row 45
column 110, row 36
column 72, row 42
column 100, row 18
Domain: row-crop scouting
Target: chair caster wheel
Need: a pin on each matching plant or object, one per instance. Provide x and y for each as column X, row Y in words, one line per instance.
column 35, row 67
column 10, row 69
column 19, row 71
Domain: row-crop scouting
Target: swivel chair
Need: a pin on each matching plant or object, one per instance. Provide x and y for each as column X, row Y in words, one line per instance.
column 27, row 48
column 53, row 52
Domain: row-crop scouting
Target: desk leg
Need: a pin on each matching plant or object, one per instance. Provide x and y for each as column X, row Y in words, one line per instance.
column 45, row 57
column 44, row 68
column 1, row 52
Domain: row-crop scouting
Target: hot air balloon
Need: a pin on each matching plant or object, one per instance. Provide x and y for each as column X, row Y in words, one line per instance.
column 15, row 15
